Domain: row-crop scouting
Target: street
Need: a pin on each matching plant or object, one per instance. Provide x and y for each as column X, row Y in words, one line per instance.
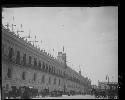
column 69, row 97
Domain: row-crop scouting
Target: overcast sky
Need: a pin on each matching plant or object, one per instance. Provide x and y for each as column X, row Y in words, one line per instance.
column 89, row 35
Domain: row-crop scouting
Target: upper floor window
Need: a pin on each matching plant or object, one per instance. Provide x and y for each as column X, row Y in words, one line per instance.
column 49, row 69
column 53, row 70
column 24, row 75
column 43, row 66
column 35, row 62
column 34, row 79
column 9, row 73
column 30, row 59
column 18, row 57
column 59, row 72
column 39, row 64
column 46, row 67
column 59, row 81
column 24, row 59
column 54, row 80
column 49, row 80
column 43, row 79
column 64, row 73
column 11, row 53
column 56, row 71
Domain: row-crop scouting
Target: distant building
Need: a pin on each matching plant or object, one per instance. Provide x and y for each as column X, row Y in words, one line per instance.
column 94, row 86
column 108, row 85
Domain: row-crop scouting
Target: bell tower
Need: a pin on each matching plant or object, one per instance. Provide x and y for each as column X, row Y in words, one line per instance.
column 62, row 57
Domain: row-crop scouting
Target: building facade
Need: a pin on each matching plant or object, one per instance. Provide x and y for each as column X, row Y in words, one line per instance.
column 23, row 64
column 108, row 85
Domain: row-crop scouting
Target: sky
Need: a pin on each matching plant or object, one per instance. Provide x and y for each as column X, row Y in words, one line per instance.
column 89, row 35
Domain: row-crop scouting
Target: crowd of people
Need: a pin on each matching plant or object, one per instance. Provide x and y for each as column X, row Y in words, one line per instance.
column 28, row 93
column 110, row 94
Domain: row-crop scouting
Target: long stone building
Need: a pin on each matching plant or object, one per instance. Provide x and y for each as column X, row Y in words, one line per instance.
column 23, row 64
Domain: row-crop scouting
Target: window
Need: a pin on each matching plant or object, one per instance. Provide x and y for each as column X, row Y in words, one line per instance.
column 43, row 66
column 30, row 59
column 7, row 86
column 49, row 80
column 9, row 73
column 11, row 52
column 24, row 59
column 49, row 69
column 64, row 73
column 18, row 57
column 59, row 72
column 59, row 81
column 43, row 79
column 52, row 69
column 35, row 62
column 24, row 75
column 39, row 64
column 34, row 78
column 54, row 80
column 46, row 67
